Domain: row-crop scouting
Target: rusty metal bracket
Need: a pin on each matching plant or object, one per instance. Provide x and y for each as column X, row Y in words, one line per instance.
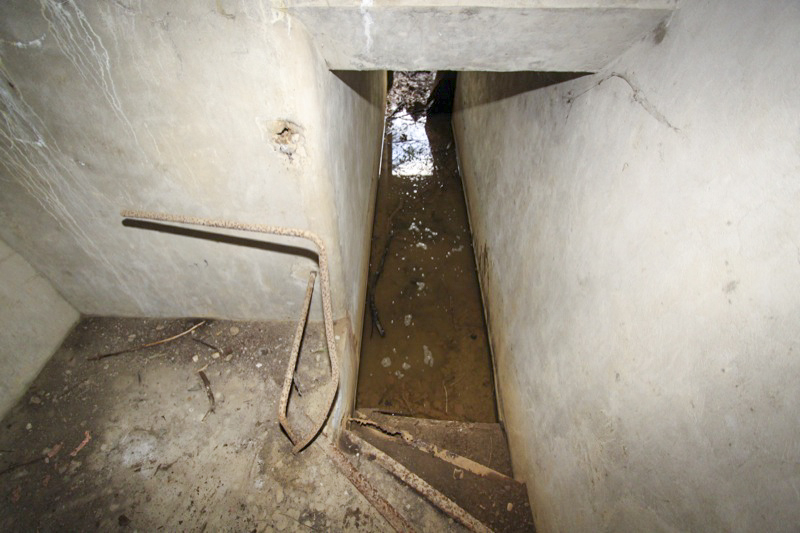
column 327, row 309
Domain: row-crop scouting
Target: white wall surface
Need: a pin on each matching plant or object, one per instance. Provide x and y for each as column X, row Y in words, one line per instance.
column 34, row 319
column 638, row 234
column 216, row 108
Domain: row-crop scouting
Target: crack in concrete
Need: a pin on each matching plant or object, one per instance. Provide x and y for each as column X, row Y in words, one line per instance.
column 638, row 97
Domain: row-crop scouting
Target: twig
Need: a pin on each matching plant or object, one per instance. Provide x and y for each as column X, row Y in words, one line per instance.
column 206, row 344
column 87, row 437
column 311, row 528
column 165, row 467
column 445, row 396
column 210, row 394
column 372, row 305
column 20, row 465
column 148, row 345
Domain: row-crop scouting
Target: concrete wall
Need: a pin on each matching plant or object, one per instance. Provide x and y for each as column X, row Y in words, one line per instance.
column 34, row 319
column 211, row 108
column 216, row 108
column 501, row 35
column 638, row 234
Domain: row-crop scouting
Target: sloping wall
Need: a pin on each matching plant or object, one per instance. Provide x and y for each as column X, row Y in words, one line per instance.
column 34, row 318
column 638, row 235
column 216, row 109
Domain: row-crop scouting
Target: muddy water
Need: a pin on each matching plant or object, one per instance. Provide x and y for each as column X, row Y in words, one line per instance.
column 425, row 351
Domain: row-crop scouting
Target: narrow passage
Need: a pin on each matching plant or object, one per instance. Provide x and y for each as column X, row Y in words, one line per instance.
column 425, row 352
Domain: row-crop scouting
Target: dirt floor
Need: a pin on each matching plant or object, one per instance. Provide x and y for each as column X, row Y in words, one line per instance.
column 425, row 351
column 129, row 442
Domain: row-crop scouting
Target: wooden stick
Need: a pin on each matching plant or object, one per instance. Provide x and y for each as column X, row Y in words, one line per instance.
column 148, row 345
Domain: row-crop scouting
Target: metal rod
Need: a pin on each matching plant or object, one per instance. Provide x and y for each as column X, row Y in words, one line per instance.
column 325, row 284
column 368, row 490
column 402, row 473
column 283, row 409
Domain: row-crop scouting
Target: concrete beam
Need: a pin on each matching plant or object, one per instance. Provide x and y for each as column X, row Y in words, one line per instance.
column 504, row 35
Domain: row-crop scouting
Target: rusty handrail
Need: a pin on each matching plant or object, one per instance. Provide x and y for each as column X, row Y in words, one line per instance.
column 327, row 310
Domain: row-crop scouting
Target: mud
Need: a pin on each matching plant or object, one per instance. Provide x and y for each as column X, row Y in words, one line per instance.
column 433, row 360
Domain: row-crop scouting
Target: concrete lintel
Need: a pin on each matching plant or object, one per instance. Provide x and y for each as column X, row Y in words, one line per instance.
column 546, row 35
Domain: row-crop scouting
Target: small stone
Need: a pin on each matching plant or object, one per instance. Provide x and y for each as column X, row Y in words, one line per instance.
column 35, row 400
column 509, row 507
column 29, row 426
column 195, row 358
column 215, row 355
column 407, row 320
column 420, row 285
column 228, row 357
column 386, row 362
column 428, row 359
column 234, row 330
column 259, row 365
column 159, row 327
column 406, row 366
column 131, row 336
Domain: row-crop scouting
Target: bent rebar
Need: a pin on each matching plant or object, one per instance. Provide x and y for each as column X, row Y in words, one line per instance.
column 327, row 309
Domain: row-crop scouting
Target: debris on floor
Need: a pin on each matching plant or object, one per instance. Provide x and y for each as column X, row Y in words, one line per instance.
column 424, row 310
column 129, row 442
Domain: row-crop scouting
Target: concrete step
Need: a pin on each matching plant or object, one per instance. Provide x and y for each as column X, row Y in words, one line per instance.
column 486, row 491
column 483, row 443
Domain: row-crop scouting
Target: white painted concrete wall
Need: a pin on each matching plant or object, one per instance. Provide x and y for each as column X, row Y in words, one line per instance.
column 34, row 319
column 639, row 240
column 217, row 109
column 178, row 107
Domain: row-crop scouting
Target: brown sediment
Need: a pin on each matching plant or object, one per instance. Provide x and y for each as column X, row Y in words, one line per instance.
column 428, row 299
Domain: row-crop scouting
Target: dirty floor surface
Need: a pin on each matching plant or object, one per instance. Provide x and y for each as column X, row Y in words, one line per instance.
column 425, row 351
column 128, row 442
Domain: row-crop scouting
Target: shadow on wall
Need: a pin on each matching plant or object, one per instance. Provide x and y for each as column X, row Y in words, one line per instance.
column 508, row 84
column 222, row 238
column 358, row 82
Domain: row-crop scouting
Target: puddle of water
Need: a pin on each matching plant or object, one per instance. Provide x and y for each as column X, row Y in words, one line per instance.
column 433, row 360
column 411, row 150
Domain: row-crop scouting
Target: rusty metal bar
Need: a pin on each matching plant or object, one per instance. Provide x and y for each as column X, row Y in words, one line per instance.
column 325, row 284
column 438, row 499
column 290, row 369
column 395, row 519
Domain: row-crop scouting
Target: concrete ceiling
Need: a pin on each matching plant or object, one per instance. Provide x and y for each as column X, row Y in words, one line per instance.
column 500, row 35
